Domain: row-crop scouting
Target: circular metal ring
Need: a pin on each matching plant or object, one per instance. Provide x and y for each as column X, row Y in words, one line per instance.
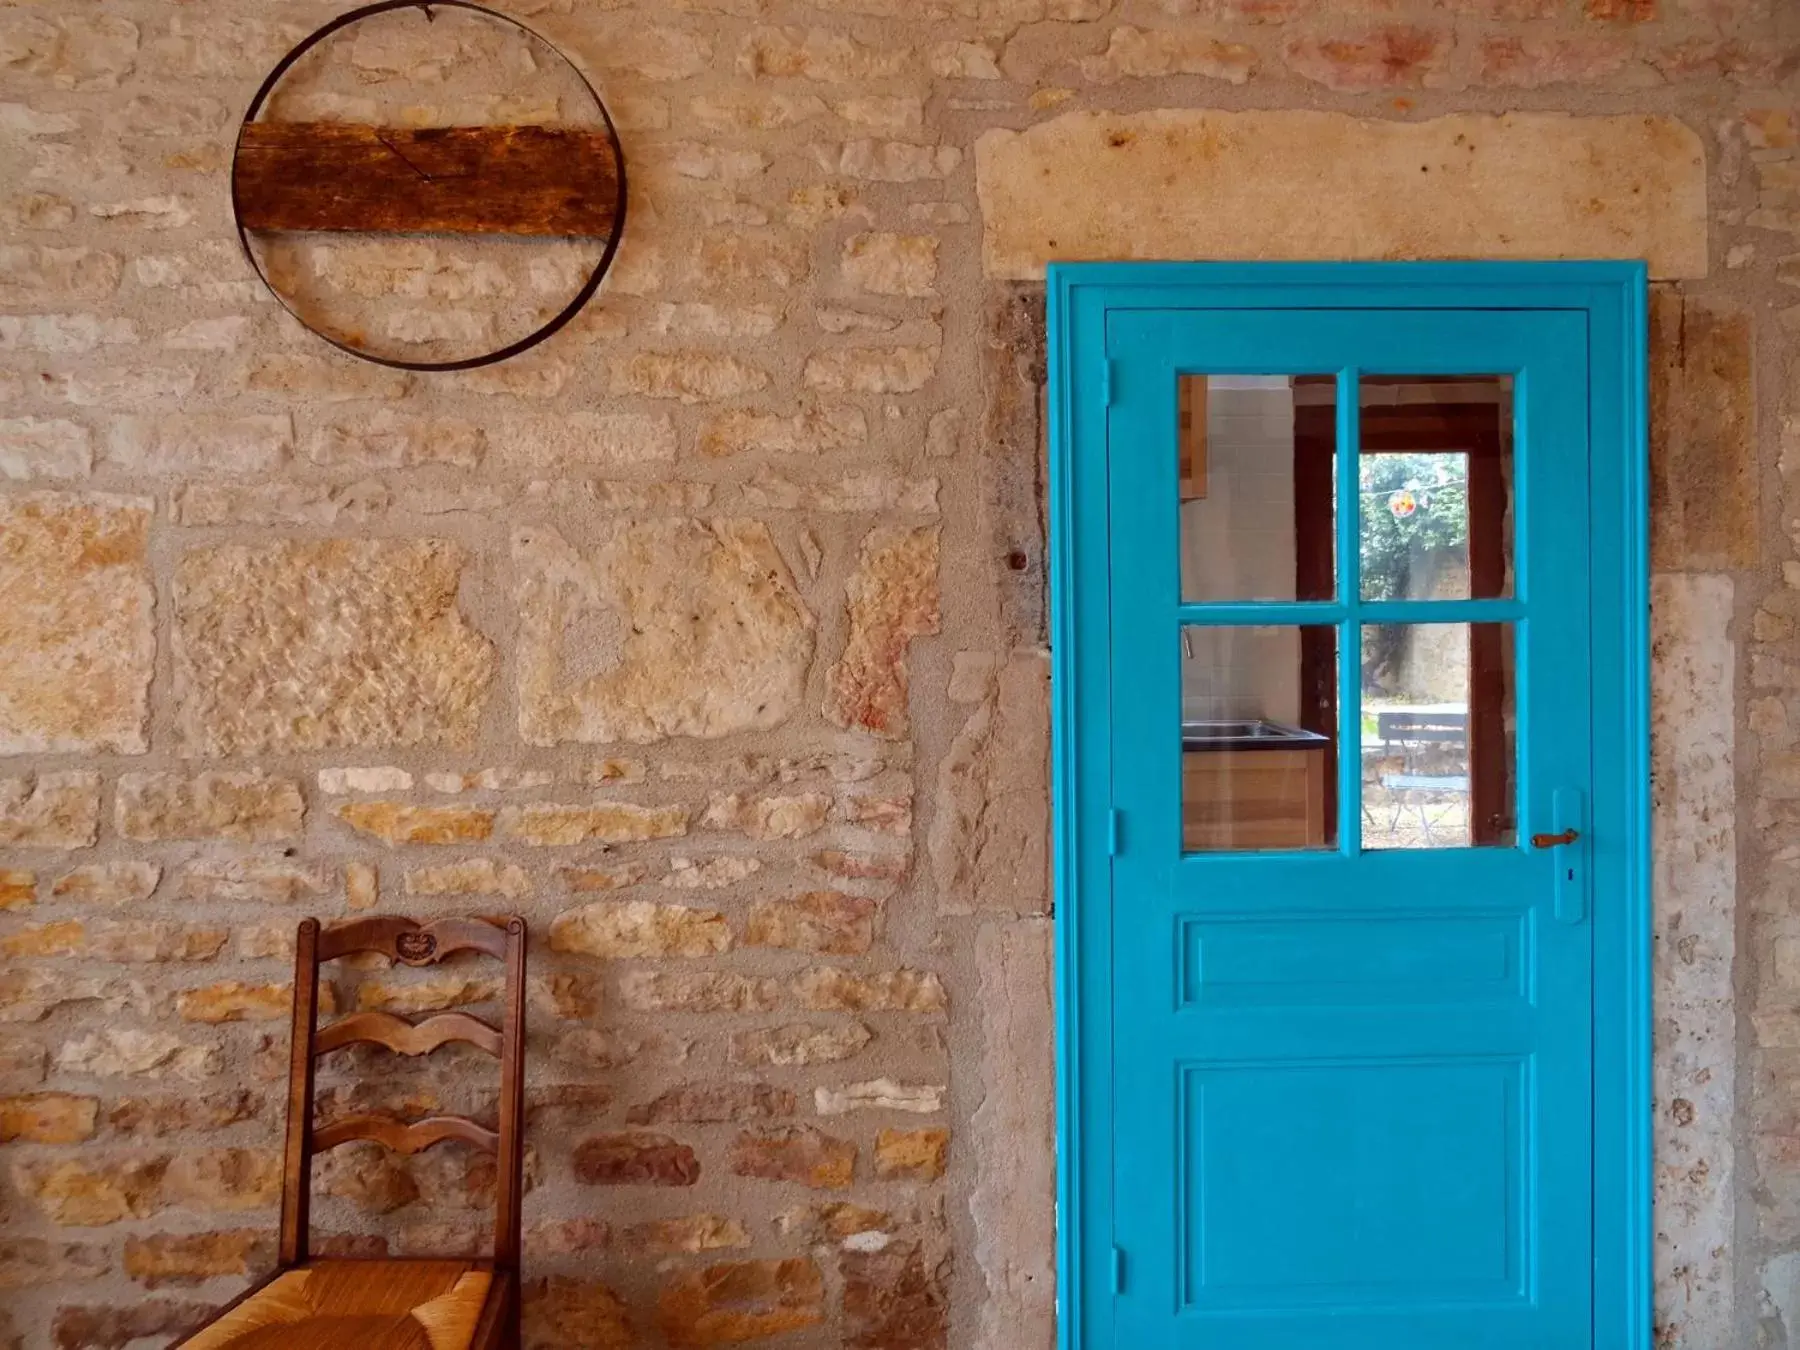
column 532, row 338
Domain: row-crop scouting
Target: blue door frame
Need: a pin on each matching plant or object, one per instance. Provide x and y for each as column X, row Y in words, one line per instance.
column 1612, row 297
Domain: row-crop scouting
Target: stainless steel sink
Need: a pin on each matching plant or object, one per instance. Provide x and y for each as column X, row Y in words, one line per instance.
column 1247, row 733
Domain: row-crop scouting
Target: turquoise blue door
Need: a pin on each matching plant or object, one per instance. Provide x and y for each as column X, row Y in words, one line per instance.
column 1365, row 816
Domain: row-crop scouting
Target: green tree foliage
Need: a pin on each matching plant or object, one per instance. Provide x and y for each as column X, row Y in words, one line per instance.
column 1415, row 513
column 1396, row 544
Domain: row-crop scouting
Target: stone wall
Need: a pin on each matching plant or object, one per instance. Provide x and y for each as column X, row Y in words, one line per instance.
column 709, row 635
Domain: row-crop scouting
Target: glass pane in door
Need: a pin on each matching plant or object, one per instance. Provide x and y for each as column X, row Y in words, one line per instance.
column 1258, row 737
column 1256, row 483
column 1439, row 730
column 1436, row 479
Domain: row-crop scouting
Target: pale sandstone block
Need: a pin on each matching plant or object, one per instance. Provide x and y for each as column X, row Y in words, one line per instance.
column 626, row 929
column 891, row 264
column 799, row 1044
column 989, row 841
column 559, row 825
column 871, row 370
column 48, row 274
column 810, row 431
column 880, row 1094
column 1196, row 183
column 765, row 818
column 664, row 627
column 891, row 598
column 116, row 883
column 1704, row 505
column 63, row 334
column 306, row 645
column 36, row 447
column 691, row 377
column 817, row 54
column 1134, row 53
column 474, row 876
column 200, row 442
column 889, row 161
column 581, row 439
column 50, row 810
column 248, row 806
column 76, row 623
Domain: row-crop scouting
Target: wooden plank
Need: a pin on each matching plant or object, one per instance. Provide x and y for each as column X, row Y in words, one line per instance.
column 525, row 180
column 407, row 1038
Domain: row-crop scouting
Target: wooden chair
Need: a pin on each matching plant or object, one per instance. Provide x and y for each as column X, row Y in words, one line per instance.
column 382, row 1304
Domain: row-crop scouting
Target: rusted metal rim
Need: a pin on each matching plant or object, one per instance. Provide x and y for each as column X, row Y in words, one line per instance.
column 530, row 340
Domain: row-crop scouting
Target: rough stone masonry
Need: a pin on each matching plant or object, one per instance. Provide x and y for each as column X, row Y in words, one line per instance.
column 709, row 636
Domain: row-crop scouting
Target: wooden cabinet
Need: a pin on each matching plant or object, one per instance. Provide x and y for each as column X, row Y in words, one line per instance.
column 1255, row 799
column 1190, row 436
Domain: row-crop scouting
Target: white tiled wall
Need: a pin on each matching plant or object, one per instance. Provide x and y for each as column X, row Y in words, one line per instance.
column 1237, row 543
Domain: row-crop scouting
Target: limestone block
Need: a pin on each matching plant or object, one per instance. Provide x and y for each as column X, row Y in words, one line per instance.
column 37, row 447
column 715, row 1103
column 891, row 598
column 50, row 810
column 741, row 1301
column 827, row 922
column 317, row 644
column 1134, row 53
column 116, row 883
column 245, row 805
column 880, row 1094
column 798, row 1153
column 891, row 264
column 75, row 623
column 193, row 1258
column 798, row 1044
column 1202, row 183
column 989, row 841
column 560, row 825
column 1703, row 476
column 1697, row 964
column 635, row 1158
column 1013, row 1202
column 622, row 929
column 710, row 991
column 689, row 1234
column 674, row 627
column 831, row 989
column 563, row 1311
column 911, row 1155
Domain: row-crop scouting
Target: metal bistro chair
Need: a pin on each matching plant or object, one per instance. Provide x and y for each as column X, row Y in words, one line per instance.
column 1415, row 730
column 387, row 1304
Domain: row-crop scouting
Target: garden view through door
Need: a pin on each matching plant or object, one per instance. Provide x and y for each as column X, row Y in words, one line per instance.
column 1351, row 727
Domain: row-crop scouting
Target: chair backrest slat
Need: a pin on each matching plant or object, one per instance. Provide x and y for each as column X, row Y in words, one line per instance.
column 408, row 1038
column 410, row 943
column 404, row 1136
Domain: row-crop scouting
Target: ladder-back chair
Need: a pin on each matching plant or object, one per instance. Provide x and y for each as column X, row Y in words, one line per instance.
column 384, row 1303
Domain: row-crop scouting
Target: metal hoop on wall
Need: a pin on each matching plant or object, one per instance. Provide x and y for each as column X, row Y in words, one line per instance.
column 531, row 339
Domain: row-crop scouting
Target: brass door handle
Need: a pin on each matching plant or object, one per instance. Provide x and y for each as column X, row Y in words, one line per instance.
column 1555, row 840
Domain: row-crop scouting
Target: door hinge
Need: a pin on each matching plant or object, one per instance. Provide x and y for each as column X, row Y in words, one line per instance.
column 1107, row 380
column 1118, row 1270
column 1115, row 832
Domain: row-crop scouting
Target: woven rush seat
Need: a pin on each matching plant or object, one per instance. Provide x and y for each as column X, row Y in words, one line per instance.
column 373, row 1305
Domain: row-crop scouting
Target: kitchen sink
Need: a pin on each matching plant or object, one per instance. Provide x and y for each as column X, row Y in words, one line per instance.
column 1246, row 733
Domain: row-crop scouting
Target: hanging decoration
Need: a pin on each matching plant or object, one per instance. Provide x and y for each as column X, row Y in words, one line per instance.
column 494, row 209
